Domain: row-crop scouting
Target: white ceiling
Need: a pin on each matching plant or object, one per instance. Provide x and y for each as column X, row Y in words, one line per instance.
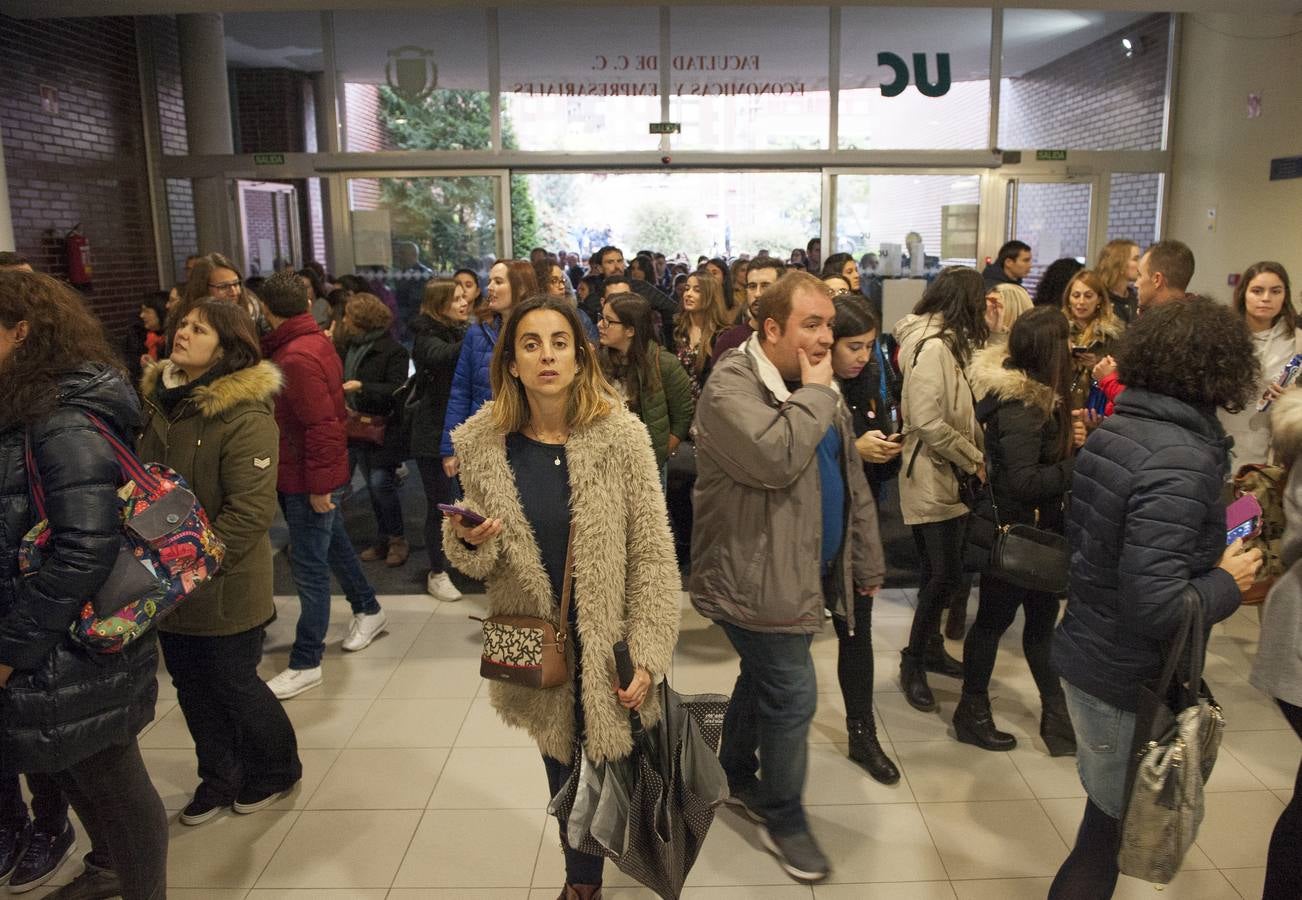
column 56, row 8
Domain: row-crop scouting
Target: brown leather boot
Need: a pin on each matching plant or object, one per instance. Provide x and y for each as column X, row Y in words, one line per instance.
column 580, row 892
column 398, row 552
column 374, row 552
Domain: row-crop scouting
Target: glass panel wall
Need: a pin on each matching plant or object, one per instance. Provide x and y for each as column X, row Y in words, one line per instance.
column 413, row 79
column 749, row 78
column 684, row 214
column 1054, row 218
column 1083, row 80
column 914, row 79
column 1134, row 202
column 580, row 79
column 274, row 63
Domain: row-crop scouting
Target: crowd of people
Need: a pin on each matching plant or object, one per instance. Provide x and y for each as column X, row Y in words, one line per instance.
column 563, row 404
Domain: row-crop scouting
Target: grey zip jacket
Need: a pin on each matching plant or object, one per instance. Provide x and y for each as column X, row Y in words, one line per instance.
column 758, row 526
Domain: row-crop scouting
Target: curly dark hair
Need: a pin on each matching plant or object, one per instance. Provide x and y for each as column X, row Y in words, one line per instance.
column 62, row 336
column 1195, row 350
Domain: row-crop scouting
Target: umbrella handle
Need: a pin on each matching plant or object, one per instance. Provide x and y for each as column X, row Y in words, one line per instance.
column 624, row 668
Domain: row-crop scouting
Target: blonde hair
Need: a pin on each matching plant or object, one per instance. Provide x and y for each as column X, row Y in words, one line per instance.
column 1103, row 315
column 591, row 396
column 1112, row 263
column 437, row 295
column 1015, row 301
column 714, row 313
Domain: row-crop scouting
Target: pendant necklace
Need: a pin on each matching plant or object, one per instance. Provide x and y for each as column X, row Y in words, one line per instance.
column 556, row 461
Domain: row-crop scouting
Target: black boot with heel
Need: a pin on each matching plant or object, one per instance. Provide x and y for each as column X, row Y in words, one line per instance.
column 867, row 751
column 974, row 723
column 1056, row 728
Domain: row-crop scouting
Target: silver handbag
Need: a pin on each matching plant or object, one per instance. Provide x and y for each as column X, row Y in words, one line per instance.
column 1178, row 730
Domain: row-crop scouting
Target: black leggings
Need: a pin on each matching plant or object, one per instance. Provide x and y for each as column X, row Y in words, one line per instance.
column 438, row 489
column 854, row 660
column 997, row 608
column 1090, row 871
column 122, row 812
column 940, row 547
column 1283, row 863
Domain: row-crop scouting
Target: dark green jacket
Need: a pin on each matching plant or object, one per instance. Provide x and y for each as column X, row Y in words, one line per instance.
column 224, row 441
column 667, row 407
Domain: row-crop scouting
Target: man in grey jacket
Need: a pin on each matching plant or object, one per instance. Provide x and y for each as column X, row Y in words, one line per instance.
column 785, row 528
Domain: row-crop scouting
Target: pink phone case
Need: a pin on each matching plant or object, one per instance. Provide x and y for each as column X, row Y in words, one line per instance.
column 1242, row 510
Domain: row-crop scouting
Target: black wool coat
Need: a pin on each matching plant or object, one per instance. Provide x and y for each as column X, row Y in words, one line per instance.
column 435, row 350
column 382, row 371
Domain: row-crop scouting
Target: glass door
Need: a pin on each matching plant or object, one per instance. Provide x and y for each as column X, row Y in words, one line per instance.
column 1055, row 216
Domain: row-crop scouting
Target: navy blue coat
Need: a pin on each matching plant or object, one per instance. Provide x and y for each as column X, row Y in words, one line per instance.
column 1145, row 521
column 63, row 703
column 471, row 387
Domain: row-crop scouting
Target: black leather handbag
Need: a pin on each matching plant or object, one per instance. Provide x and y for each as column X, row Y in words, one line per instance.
column 1024, row 555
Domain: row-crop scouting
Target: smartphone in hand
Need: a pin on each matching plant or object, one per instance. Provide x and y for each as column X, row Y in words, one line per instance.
column 469, row 517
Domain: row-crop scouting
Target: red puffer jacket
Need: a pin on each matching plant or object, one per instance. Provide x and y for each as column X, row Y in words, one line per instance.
column 310, row 409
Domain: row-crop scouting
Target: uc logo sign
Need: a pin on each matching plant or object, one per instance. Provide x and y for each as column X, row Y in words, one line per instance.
column 926, row 87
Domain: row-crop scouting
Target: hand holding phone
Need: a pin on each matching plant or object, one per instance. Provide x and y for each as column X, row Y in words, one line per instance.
column 1242, row 519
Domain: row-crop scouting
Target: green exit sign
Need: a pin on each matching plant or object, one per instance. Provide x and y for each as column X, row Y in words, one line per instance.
column 666, row 127
column 268, row 159
column 1051, row 155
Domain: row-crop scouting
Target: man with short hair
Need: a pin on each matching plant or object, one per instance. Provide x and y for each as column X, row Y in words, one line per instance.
column 313, row 472
column 762, row 274
column 814, row 255
column 785, row 529
column 612, row 266
column 661, row 264
column 409, row 286
column 1011, row 265
column 574, row 270
column 537, row 255
column 1165, row 271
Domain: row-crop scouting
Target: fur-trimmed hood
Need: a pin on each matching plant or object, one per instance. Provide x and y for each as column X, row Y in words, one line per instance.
column 256, row 384
column 990, row 377
column 1286, row 425
column 1106, row 330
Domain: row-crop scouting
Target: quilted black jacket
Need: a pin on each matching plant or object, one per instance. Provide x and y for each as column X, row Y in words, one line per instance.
column 63, row 704
column 1146, row 520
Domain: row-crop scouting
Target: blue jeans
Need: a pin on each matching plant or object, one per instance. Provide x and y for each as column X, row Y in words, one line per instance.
column 772, row 707
column 1104, row 734
column 319, row 546
column 382, row 485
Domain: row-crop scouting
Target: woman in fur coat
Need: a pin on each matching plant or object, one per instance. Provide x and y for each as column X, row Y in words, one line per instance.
column 1095, row 329
column 555, row 450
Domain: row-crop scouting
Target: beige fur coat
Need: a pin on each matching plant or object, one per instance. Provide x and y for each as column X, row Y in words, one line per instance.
column 626, row 581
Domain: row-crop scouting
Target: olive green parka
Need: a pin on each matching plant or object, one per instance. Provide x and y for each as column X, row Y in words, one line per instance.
column 224, row 442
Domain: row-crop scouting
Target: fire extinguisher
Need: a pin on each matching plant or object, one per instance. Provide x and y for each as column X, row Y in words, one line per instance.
column 77, row 250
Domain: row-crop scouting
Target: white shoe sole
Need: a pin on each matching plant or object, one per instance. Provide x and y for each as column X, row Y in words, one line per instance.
column 33, row 885
column 740, row 805
column 245, row 809
column 302, row 688
column 200, row 819
column 799, row 874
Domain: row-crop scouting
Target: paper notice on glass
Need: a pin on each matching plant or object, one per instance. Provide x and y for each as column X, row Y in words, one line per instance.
column 372, row 238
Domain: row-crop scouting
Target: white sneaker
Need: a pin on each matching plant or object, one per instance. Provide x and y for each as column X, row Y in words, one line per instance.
column 440, row 587
column 292, row 682
column 365, row 628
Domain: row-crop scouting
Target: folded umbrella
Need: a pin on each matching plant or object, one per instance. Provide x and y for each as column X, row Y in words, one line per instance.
column 649, row 813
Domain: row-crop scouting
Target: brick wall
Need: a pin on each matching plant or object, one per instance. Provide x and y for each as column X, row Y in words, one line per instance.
column 1132, row 211
column 85, row 163
column 365, row 133
column 173, row 139
column 1093, row 98
column 1054, row 220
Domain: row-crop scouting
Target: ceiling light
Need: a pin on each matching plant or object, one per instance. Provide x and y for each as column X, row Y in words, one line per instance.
column 1127, row 43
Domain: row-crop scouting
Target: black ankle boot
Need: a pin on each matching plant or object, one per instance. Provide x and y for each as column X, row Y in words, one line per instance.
column 913, row 681
column 975, row 724
column 867, row 751
column 937, row 659
column 956, row 621
column 1055, row 726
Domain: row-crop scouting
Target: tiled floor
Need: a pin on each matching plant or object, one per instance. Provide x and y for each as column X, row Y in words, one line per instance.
column 413, row 789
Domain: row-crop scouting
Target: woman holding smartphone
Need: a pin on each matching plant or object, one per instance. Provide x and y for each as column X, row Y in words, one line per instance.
column 567, row 479
column 855, row 336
